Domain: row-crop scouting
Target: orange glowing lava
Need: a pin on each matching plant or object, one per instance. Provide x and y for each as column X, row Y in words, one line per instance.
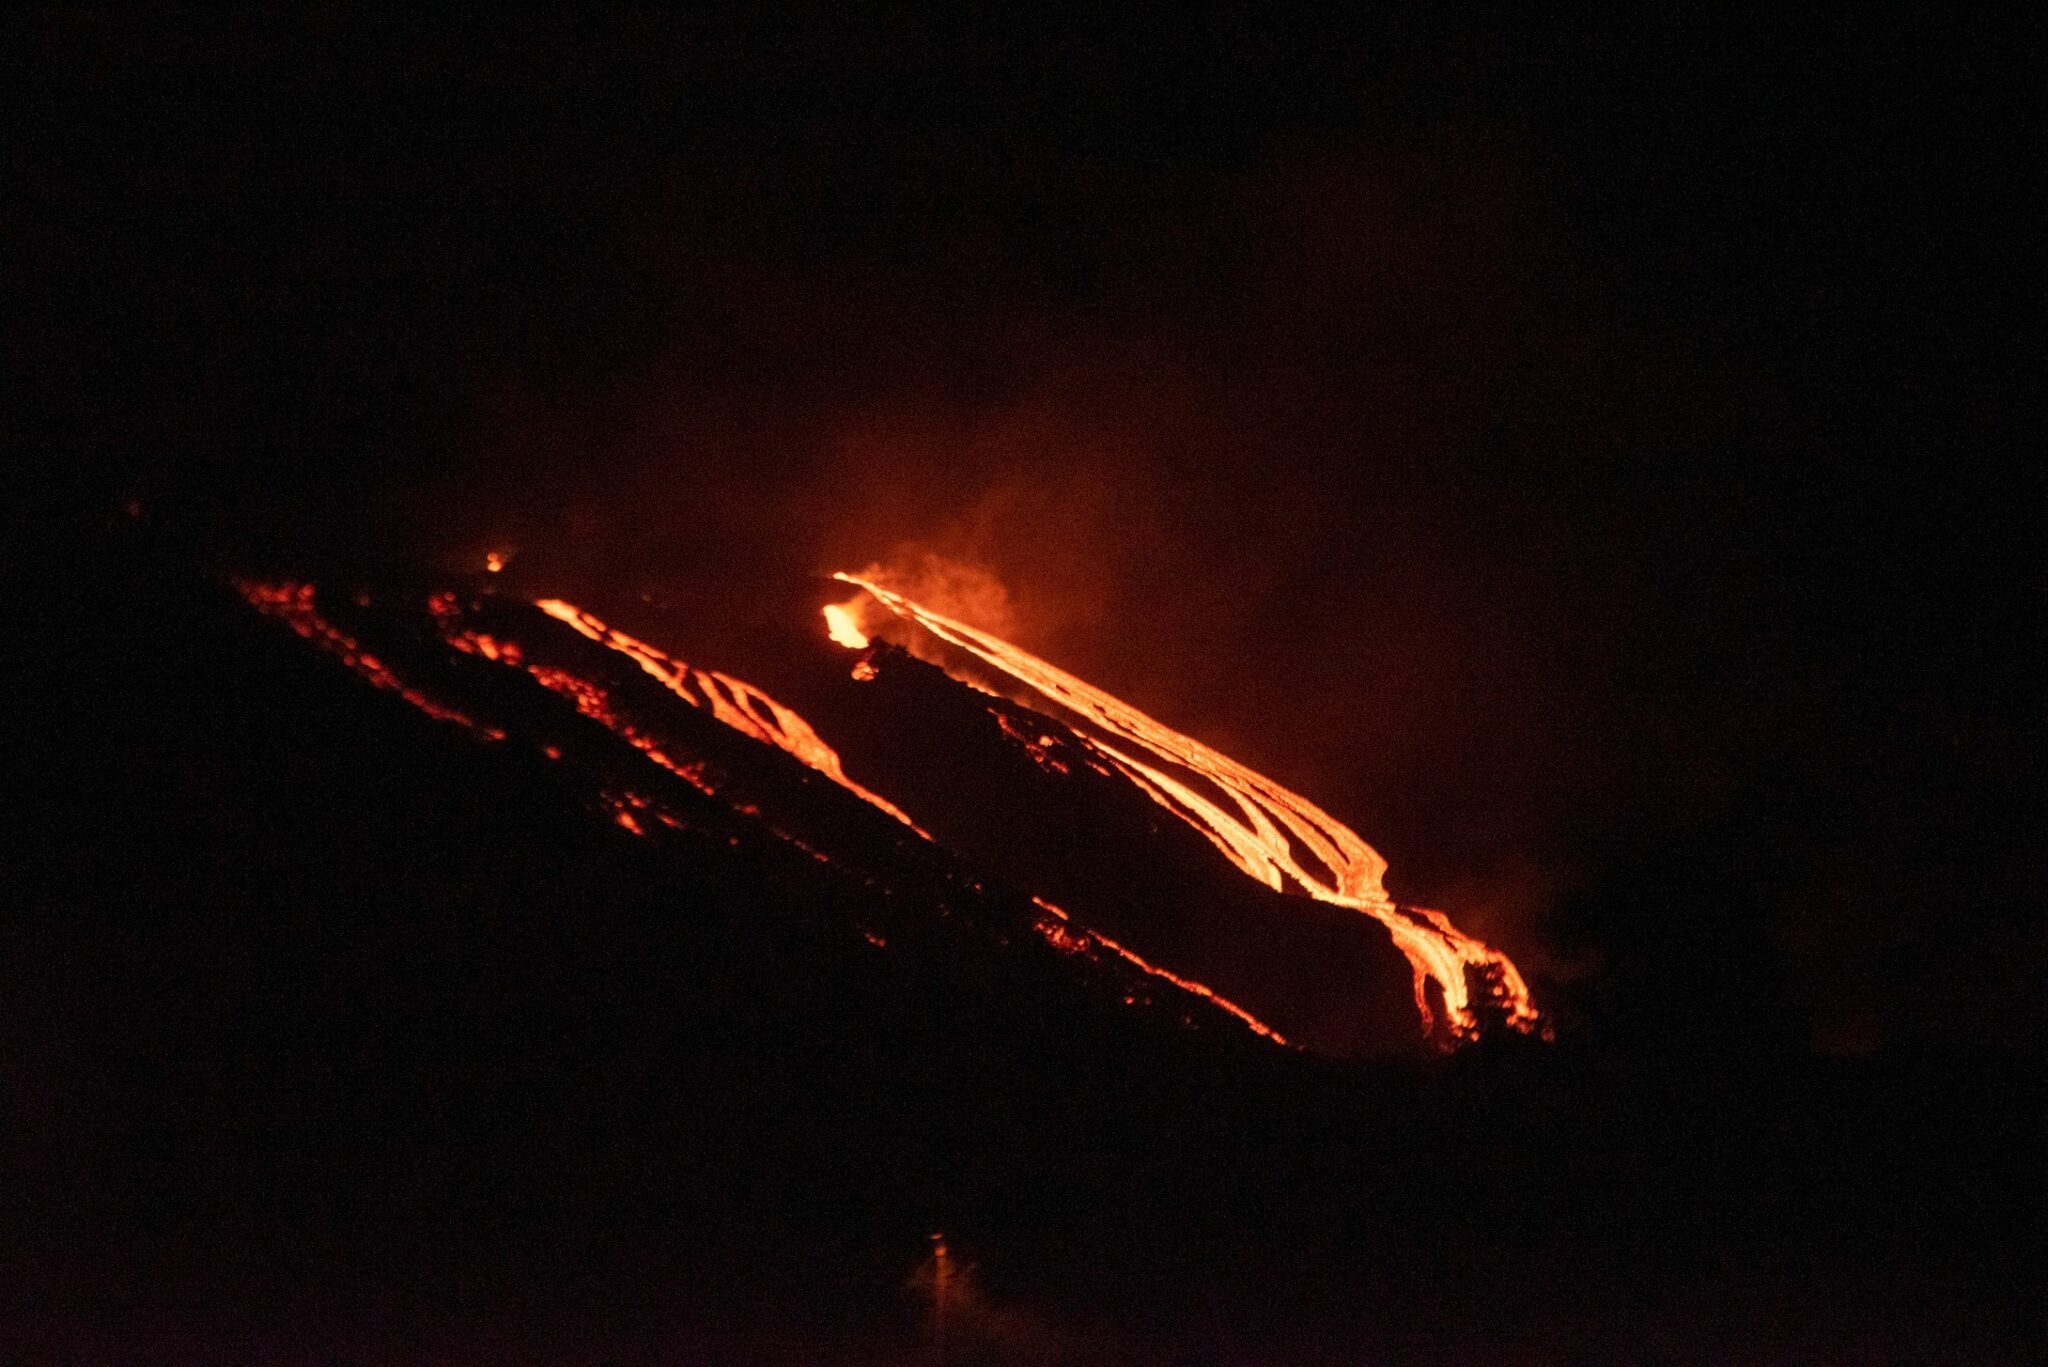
column 731, row 701
column 747, row 709
column 293, row 604
column 842, row 626
column 1062, row 933
column 738, row 704
column 1268, row 833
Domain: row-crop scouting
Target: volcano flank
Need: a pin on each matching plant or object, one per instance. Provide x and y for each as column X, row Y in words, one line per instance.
column 1023, row 827
column 395, row 935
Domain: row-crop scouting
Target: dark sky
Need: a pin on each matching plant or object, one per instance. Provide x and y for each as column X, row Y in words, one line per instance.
column 1595, row 464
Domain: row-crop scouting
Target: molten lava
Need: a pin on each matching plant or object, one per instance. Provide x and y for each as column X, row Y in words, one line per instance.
column 732, row 702
column 1062, row 933
column 293, row 604
column 740, row 705
column 843, row 627
column 1274, row 835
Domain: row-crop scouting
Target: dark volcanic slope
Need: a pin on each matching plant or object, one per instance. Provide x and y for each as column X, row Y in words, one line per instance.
column 1046, row 830
column 1023, row 795
column 284, row 940
column 331, row 1032
column 672, row 767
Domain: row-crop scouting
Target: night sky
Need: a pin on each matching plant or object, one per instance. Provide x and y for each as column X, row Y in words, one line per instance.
column 1597, row 464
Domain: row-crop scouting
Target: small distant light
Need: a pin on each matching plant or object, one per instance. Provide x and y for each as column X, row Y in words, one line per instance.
column 494, row 562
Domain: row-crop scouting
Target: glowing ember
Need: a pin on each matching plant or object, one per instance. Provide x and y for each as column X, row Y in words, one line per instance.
column 494, row 562
column 1268, row 833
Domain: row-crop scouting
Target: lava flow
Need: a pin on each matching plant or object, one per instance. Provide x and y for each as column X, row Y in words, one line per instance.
column 1267, row 834
column 293, row 604
column 748, row 710
column 731, row 702
column 738, row 704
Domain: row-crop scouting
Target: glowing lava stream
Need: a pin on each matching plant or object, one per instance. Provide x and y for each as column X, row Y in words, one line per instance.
column 738, row 704
column 293, row 604
column 733, row 702
column 754, row 713
column 1263, row 840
